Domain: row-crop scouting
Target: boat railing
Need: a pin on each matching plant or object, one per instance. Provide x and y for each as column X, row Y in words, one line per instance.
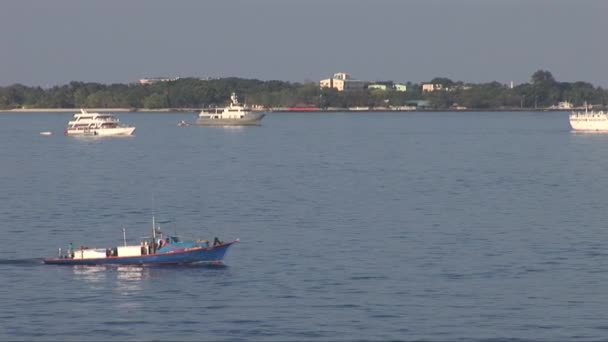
column 588, row 114
column 106, row 119
column 213, row 110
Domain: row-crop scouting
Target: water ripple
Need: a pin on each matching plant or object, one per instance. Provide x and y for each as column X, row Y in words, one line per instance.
column 359, row 227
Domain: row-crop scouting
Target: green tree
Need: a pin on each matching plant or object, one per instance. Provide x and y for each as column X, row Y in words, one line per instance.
column 155, row 101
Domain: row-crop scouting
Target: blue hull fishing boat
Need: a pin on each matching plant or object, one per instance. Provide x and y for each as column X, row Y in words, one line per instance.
column 156, row 250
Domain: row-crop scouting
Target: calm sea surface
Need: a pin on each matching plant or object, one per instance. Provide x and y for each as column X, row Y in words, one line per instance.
column 366, row 226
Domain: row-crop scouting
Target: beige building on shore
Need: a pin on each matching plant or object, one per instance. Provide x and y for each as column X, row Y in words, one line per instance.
column 342, row 82
column 430, row 87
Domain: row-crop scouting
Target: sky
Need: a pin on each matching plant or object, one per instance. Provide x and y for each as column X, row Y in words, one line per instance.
column 52, row 42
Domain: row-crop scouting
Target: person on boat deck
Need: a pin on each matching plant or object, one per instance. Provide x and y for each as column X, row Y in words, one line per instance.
column 217, row 241
column 71, row 250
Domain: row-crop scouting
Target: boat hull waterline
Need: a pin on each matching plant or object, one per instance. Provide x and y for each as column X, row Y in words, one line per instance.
column 251, row 119
column 194, row 255
column 106, row 132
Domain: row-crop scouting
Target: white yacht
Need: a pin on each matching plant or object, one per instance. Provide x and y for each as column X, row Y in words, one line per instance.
column 85, row 123
column 589, row 121
column 235, row 114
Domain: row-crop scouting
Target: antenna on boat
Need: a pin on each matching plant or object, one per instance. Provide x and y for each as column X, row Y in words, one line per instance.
column 153, row 220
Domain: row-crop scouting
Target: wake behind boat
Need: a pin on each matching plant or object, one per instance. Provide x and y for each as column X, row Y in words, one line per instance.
column 97, row 124
column 589, row 121
column 156, row 250
column 235, row 114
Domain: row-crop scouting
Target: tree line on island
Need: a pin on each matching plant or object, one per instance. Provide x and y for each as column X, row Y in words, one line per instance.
column 543, row 91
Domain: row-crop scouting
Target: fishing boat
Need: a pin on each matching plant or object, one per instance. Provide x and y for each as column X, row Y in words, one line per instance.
column 235, row 114
column 97, row 124
column 155, row 250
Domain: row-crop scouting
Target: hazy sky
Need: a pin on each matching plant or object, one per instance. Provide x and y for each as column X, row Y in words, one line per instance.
column 50, row 42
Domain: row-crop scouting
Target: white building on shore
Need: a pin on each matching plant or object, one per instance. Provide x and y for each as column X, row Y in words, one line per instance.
column 389, row 85
column 145, row 81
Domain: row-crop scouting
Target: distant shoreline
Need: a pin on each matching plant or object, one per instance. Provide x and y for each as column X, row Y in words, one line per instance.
column 74, row 110
column 281, row 110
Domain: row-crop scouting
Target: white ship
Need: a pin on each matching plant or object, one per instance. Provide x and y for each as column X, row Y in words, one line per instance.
column 589, row 121
column 85, row 123
column 236, row 114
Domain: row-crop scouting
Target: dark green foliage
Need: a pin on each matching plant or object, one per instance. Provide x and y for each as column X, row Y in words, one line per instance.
column 543, row 91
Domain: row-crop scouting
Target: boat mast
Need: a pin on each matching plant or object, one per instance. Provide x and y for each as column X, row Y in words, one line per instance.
column 124, row 235
column 153, row 229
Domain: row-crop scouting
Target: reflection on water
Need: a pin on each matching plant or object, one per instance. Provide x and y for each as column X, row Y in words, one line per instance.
column 233, row 128
column 589, row 132
column 229, row 128
column 129, row 279
column 125, row 279
column 130, row 272
column 90, row 274
column 98, row 137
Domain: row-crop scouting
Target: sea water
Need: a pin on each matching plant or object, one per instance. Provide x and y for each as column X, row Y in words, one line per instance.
column 353, row 226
